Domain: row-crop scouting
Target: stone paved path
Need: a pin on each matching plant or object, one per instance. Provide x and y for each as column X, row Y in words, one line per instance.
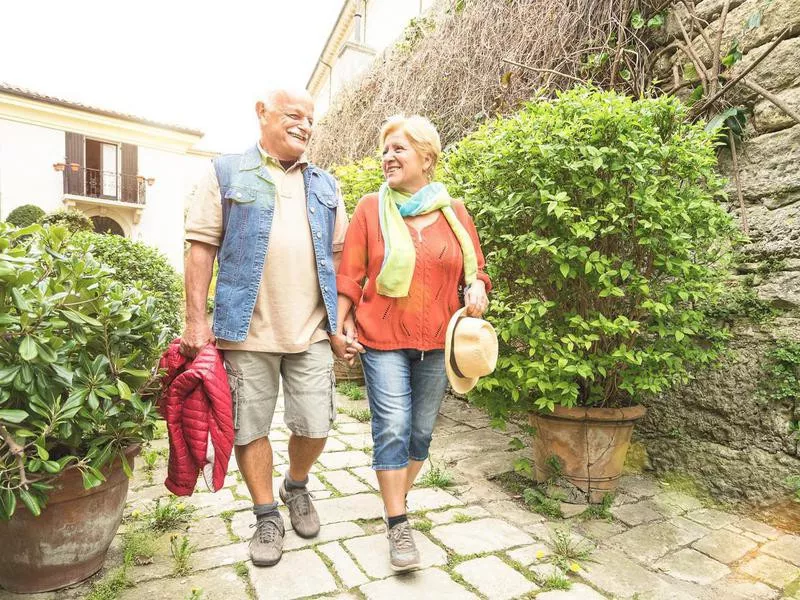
column 476, row 540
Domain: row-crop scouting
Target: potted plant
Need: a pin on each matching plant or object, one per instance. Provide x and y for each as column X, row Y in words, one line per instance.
column 605, row 239
column 76, row 394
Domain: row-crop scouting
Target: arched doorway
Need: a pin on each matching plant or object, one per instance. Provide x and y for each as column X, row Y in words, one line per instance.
column 107, row 225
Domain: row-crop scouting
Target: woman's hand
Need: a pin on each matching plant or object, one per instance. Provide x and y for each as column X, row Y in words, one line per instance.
column 475, row 299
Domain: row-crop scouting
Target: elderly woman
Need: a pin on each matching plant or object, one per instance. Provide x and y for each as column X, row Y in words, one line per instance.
column 408, row 250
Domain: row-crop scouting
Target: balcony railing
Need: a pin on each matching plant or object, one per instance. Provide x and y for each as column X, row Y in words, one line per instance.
column 106, row 185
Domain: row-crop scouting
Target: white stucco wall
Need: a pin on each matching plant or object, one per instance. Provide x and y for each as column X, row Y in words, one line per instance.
column 386, row 20
column 161, row 223
column 27, row 154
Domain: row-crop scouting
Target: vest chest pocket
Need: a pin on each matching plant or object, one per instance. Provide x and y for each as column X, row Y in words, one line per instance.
column 327, row 199
column 240, row 195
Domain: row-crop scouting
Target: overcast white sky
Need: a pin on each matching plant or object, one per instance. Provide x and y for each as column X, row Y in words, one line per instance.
column 199, row 64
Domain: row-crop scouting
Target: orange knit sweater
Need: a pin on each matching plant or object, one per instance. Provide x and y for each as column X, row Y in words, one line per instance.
column 419, row 320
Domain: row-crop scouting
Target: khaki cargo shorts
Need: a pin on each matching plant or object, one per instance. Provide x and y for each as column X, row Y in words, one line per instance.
column 308, row 391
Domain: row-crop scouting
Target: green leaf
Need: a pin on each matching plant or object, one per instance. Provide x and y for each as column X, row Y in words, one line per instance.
column 19, row 300
column 124, row 390
column 637, row 20
column 12, row 415
column 8, row 503
column 564, row 268
column 656, row 21
column 27, row 349
column 30, row 501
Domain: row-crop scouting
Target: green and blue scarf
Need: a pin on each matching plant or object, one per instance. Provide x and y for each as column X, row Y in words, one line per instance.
column 399, row 257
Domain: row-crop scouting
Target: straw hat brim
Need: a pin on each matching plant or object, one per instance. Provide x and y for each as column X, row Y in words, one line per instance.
column 460, row 385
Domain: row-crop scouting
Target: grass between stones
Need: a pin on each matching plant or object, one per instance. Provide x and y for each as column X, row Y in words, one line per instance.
column 437, row 477
column 227, row 517
column 362, row 415
column 329, row 486
column 351, row 390
column 240, row 568
column 424, row 525
column 181, row 550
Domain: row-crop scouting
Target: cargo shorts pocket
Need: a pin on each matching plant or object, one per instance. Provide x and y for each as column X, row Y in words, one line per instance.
column 235, row 382
column 333, row 402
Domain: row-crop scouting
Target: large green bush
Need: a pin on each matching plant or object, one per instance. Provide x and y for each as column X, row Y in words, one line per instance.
column 358, row 179
column 600, row 219
column 25, row 215
column 71, row 218
column 137, row 262
column 76, row 352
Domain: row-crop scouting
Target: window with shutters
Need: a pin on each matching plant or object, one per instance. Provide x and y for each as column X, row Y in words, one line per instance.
column 102, row 169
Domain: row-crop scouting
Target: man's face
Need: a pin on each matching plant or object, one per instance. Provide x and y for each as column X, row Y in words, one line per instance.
column 286, row 126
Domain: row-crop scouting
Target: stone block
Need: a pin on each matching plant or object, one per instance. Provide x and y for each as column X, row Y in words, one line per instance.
column 648, row 543
column 767, row 117
column 759, row 528
column 345, row 483
column 336, row 445
column 639, row 486
column 372, row 553
column 514, row 512
column 490, row 464
column 786, row 547
column 344, row 460
column 613, row 573
column 637, row 514
column 345, row 567
column 429, row 584
column 736, row 587
column 283, row 581
column 495, row 579
column 354, row 428
column 528, row 555
column 327, row 533
column 483, row 535
column 600, row 530
column 773, row 571
column 360, row 506
column 725, row 546
column 357, row 441
column 366, row 474
column 216, row 584
column 430, row 499
column 675, row 503
column 690, row 565
column 469, row 443
column 767, row 167
column 220, row 556
column 578, row 591
column 216, row 503
column 448, row 516
column 711, row 518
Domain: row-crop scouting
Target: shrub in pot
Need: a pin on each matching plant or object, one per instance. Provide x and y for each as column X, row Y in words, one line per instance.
column 605, row 239
column 76, row 399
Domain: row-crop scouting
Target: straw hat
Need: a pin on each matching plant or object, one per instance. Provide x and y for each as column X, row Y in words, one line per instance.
column 470, row 351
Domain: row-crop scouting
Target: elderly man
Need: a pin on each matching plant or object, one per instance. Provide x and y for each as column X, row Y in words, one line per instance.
column 276, row 224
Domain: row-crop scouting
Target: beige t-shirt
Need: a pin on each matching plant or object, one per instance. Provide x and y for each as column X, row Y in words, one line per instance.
column 289, row 313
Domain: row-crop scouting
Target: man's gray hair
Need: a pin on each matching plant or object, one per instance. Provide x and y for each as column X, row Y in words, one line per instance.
column 271, row 98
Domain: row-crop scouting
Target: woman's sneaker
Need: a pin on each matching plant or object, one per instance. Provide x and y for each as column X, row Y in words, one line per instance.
column 403, row 553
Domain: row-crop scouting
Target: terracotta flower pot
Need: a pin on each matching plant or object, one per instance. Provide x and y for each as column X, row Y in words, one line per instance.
column 590, row 445
column 69, row 540
column 345, row 372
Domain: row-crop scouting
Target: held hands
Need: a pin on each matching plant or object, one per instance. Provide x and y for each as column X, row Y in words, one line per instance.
column 345, row 345
column 475, row 299
column 195, row 337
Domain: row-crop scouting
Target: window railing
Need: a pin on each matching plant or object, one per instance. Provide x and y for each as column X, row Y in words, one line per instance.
column 107, row 185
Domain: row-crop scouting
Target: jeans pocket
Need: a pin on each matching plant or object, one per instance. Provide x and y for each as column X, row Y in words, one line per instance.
column 235, row 382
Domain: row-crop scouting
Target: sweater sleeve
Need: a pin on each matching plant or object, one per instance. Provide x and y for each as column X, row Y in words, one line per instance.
column 353, row 266
column 466, row 220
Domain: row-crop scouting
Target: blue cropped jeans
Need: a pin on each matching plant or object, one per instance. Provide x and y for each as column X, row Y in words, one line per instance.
column 405, row 390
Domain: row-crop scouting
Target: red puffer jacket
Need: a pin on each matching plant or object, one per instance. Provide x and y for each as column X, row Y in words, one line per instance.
column 197, row 406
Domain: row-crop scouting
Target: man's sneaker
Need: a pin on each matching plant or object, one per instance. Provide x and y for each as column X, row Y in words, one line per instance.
column 266, row 546
column 403, row 553
column 302, row 513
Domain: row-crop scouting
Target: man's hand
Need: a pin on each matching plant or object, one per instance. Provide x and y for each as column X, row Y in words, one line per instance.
column 351, row 335
column 195, row 337
column 475, row 299
column 341, row 348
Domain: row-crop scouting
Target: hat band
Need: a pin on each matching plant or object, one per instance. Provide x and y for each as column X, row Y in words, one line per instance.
column 453, row 363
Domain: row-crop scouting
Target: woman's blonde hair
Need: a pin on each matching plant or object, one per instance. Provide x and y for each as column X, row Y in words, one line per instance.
column 420, row 132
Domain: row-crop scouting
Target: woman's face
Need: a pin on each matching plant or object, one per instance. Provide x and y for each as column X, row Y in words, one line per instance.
column 403, row 167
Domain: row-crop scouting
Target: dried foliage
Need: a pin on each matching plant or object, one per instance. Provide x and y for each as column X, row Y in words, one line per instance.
column 468, row 61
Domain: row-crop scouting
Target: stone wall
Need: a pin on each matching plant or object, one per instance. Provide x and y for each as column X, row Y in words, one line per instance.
column 720, row 428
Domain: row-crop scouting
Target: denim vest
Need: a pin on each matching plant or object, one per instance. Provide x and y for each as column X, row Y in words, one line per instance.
column 247, row 193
